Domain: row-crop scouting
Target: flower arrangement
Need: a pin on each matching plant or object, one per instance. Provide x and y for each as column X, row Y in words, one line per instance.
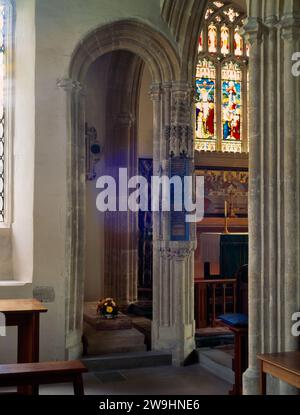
column 107, row 308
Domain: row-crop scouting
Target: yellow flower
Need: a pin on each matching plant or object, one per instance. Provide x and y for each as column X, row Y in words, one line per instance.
column 109, row 309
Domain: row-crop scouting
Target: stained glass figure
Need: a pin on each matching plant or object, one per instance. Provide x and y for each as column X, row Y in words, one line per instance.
column 224, row 40
column 212, row 39
column 231, row 101
column 238, row 42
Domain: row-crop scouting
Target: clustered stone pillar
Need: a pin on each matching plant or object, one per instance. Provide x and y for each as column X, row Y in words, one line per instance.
column 274, row 135
column 173, row 328
column 75, row 97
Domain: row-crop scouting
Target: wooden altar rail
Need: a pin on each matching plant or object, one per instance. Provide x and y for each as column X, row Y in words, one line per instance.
column 223, row 300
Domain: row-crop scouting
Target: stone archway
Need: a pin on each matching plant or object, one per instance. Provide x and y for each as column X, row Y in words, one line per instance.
column 173, row 314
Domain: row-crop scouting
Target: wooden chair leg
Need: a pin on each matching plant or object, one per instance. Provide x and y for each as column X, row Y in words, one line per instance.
column 78, row 386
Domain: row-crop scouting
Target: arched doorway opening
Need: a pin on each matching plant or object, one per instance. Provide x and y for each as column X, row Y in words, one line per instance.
column 119, row 119
column 144, row 44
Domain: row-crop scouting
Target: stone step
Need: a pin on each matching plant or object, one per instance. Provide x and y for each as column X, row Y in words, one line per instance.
column 118, row 361
column 217, row 362
column 103, row 342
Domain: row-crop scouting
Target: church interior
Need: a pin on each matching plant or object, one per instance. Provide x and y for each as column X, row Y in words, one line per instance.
column 138, row 302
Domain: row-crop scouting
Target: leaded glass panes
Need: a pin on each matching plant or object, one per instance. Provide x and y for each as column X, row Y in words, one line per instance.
column 231, row 14
column 238, row 42
column 221, row 81
column 225, row 40
column 212, row 39
column 231, row 107
column 205, row 106
column 218, row 4
column 209, row 12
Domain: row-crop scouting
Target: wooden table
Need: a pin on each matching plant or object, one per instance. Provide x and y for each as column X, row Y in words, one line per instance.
column 284, row 366
column 25, row 314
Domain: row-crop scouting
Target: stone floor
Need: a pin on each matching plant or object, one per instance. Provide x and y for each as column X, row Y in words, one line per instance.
column 166, row 380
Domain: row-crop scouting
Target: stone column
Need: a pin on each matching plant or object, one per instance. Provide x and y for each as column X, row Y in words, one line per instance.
column 290, row 34
column 274, row 186
column 120, row 271
column 173, row 328
column 75, row 162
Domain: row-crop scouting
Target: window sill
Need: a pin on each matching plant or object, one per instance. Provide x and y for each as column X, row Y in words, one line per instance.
column 13, row 283
column 4, row 226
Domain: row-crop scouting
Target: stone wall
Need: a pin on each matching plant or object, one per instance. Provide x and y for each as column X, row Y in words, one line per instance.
column 47, row 33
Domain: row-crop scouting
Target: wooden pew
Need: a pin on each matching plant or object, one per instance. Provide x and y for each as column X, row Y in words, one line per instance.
column 35, row 374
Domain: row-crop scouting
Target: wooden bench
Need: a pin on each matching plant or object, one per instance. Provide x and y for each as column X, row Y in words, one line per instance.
column 35, row 374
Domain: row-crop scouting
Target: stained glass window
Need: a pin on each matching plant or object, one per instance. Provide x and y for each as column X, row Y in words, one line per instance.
column 221, row 81
column 205, row 105
column 2, row 113
column 231, row 106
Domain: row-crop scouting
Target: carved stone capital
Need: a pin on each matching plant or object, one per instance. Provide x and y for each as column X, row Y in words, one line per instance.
column 182, row 99
column 181, row 87
column 166, row 86
column 272, row 22
column 253, row 30
column 155, row 92
column 290, row 28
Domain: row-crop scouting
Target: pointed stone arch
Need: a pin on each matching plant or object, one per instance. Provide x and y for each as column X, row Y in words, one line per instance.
column 131, row 35
column 184, row 19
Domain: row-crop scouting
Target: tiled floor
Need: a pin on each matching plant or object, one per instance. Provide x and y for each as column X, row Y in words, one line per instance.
column 167, row 380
